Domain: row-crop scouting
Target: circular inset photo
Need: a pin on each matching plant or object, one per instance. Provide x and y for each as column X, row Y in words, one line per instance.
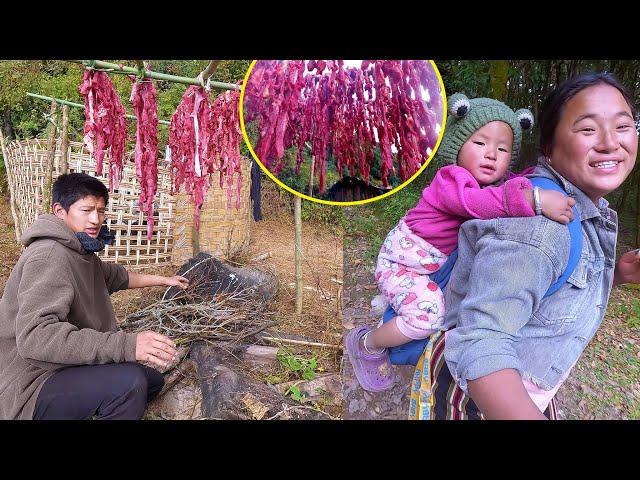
column 343, row 131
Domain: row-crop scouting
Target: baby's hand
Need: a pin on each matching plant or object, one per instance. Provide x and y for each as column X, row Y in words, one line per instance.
column 556, row 206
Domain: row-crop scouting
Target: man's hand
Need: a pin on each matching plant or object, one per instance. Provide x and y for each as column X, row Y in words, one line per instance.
column 177, row 281
column 628, row 268
column 155, row 348
column 139, row 280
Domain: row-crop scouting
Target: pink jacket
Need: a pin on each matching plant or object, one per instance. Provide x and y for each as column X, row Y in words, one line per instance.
column 454, row 196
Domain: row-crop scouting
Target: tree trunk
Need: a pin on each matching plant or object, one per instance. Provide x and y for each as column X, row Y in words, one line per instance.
column 498, row 73
column 558, row 72
column 7, row 125
column 573, row 67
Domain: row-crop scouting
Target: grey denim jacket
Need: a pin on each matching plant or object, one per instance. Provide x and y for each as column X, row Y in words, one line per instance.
column 494, row 297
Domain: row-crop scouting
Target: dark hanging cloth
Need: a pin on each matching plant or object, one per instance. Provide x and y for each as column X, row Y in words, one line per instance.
column 255, row 191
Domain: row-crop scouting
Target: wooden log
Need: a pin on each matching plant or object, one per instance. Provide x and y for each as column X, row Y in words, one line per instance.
column 262, row 256
column 261, row 352
column 229, row 394
column 181, row 397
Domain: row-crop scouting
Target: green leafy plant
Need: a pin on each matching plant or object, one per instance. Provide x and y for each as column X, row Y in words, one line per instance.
column 301, row 367
column 295, row 393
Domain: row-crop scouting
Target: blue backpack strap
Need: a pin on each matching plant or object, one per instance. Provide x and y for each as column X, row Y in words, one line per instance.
column 575, row 232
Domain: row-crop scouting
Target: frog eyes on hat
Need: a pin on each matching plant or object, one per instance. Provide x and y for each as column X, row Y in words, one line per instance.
column 459, row 105
column 525, row 118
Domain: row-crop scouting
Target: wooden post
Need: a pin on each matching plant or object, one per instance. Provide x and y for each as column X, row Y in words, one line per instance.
column 51, row 153
column 313, row 165
column 195, row 240
column 64, row 143
column 12, row 199
column 208, row 72
column 297, row 208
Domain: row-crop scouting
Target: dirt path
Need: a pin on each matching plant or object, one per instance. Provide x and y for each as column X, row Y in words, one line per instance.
column 359, row 289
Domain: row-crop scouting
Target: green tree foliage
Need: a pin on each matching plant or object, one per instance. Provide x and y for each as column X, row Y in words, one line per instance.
column 61, row 79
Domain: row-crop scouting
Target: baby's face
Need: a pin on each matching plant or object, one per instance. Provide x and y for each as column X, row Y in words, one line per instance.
column 487, row 153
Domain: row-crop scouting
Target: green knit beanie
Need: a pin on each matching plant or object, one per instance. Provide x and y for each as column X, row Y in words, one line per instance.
column 466, row 116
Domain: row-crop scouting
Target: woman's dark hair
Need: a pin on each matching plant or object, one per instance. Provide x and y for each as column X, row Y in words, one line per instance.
column 71, row 187
column 553, row 106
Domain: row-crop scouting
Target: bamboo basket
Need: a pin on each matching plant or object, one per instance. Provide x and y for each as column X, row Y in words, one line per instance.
column 224, row 230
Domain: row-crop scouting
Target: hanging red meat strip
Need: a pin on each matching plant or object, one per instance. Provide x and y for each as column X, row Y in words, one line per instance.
column 225, row 142
column 105, row 127
column 145, row 108
column 204, row 138
column 346, row 113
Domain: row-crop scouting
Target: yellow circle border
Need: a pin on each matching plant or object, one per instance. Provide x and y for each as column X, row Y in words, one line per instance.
column 330, row 202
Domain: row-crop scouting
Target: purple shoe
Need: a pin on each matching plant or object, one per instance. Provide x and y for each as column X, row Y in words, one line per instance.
column 373, row 371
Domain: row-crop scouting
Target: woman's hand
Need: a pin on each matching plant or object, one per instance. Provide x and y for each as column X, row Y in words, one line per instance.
column 628, row 268
column 556, row 206
column 176, row 281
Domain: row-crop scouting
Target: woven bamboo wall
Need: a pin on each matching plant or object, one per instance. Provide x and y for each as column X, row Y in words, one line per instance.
column 26, row 164
column 223, row 231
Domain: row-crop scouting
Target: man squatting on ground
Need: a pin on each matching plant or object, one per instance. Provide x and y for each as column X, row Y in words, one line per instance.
column 61, row 353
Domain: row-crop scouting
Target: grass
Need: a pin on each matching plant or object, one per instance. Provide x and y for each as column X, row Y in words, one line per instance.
column 633, row 317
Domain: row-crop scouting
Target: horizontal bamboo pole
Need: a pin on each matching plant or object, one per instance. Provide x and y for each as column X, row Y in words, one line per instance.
column 115, row 68
column 79, row 105
column 301, row 342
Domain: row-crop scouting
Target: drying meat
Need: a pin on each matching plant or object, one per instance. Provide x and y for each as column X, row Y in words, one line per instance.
column 204, row 138
column 145, row 108
column 105, row 128
column 345, row 113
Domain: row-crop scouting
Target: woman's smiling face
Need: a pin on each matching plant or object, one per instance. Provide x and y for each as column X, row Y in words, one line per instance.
column 595, row 142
